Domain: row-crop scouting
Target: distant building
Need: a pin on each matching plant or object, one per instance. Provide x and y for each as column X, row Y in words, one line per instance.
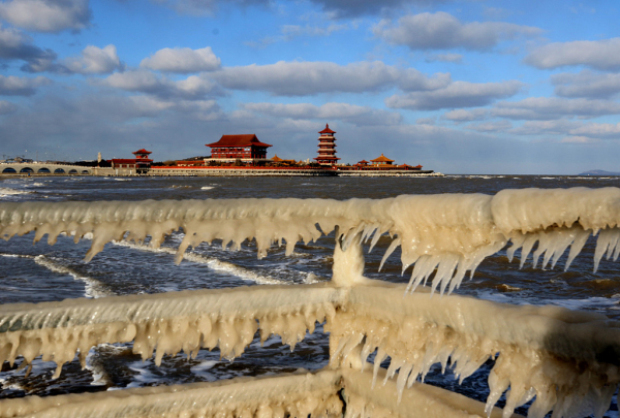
column 242, row 147
column 327, row 148
column 141, row 164
column 382, row 160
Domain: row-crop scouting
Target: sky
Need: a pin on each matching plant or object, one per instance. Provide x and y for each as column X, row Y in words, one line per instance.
column 478, row 86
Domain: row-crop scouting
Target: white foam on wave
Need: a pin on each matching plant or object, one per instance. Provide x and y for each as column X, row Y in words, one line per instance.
column 206, row 188
column 5, row 191
column 15, row 255
column 143, row 375
column 213, row 263
column 93, row 288
column 121, row 179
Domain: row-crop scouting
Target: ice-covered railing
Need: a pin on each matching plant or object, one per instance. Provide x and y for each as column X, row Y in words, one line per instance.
column 568, row 361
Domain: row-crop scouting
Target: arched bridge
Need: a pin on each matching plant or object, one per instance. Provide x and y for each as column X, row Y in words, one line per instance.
column 44, row 168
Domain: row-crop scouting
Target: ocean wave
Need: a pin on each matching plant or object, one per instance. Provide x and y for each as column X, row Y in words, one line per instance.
column 206, row 188
column 213, row 263
column 93, row 288
column 5, row 191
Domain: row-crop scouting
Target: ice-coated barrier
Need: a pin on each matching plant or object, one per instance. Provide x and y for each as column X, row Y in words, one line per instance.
column 566, row 361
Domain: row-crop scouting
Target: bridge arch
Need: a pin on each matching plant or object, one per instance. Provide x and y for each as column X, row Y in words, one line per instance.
column 26, row 170
column 9, row 170
column 44, row 170
column 74, row 171
column 59, row 171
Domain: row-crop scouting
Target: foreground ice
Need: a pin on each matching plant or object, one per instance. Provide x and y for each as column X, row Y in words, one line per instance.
column 566, row 361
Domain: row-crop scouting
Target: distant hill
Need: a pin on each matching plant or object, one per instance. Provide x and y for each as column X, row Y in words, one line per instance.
column 599, row 173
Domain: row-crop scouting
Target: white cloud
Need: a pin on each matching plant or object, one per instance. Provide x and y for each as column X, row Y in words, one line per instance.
column 307, row 78
column 6, row 107
column 598, row 130
column 191, row 88
column 495, row 126
column 95, row 60
column 455, row 58
column 47, row 15
column 182, row 60
column 348, row 8
column 455, row 95
column 358, row 115
column 443, row 31
column 586, row 84
column 600, row 55
column 206, row 7
column 462, row 115
column 293, row 31
column 14, row 45
column 21, row 86
column 548, row 108
column 571, row 131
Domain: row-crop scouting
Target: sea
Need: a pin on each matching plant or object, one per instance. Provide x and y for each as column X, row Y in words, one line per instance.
column 37, row 273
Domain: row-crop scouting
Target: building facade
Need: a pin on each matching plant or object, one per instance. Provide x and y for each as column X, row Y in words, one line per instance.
column 138, row 165
column 327, row 147
column 242, row 147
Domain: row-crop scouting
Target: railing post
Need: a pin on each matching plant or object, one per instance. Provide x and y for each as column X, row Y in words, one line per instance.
column 348, row 268
column 347, row 271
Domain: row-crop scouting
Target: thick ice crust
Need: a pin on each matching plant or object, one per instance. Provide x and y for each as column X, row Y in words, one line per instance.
column 569, row 360
column 168, row 322
column 452, row 233
column 365, row 401
column 295, row 395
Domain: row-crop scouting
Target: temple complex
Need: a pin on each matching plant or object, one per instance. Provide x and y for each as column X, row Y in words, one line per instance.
column 327, row 148
column 141, row 164
column 238, row 147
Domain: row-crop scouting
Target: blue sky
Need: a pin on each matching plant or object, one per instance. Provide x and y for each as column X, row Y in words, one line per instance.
column 458, row 86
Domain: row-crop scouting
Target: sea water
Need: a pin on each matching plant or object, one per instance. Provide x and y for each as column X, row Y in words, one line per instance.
column 47, row 273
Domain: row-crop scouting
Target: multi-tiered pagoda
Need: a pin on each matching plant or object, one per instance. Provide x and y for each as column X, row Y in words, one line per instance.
column 143, row 162
column 327, row 148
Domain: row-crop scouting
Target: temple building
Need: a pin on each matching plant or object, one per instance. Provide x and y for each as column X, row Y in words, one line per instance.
column 382, row 160
column 141, row 164
column 327, row 148
column 238, row 147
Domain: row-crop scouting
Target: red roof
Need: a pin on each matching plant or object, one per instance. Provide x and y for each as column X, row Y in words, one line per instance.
column 327, row 130
column 382, row 159
column 238, row 141
column 142, row 151
column 363, row 162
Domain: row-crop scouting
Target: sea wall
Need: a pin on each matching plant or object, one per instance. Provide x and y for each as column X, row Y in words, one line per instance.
column 242, row 172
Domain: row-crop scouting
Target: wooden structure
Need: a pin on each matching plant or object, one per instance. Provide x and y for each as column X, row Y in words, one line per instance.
column 242, row 147
column 327, row 148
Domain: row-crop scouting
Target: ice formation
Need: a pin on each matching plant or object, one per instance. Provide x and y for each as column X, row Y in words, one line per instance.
column 447, row 234
column 296, row 395
column 166, row 322
column 568, row 361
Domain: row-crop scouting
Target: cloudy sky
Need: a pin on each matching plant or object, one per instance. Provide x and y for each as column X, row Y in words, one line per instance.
column 474, row 86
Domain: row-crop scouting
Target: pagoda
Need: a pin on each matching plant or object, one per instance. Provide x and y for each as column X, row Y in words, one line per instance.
column 143, row 162
column 327, row 148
